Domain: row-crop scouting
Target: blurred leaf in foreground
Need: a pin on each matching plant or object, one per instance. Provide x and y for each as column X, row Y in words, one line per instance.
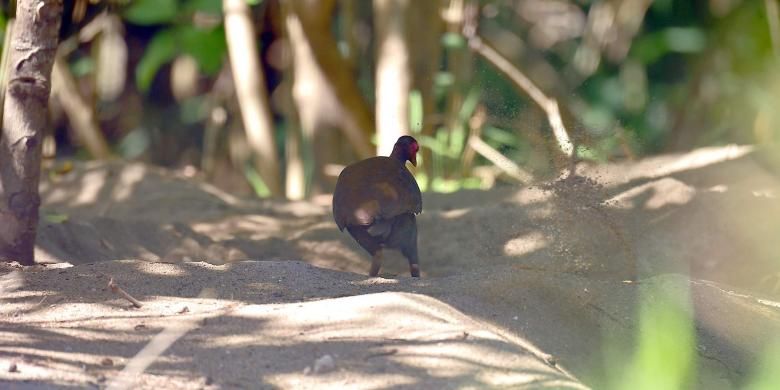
column 665, row 357
column 767, row 375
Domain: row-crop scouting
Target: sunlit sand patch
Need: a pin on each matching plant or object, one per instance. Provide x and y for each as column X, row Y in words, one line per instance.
column 663, row 192
column 655, row 167
column 165, row 269
column 10, row 282
column 91, row 184
column 130, row 176
column 769, row 194
column 525, row 244
column 256, row 226
column 406, row 329
column 340, row 380
column 531, row 195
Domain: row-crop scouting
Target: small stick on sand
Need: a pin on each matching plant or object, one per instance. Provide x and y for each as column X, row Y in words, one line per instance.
column 113, row 286
column 382, row 353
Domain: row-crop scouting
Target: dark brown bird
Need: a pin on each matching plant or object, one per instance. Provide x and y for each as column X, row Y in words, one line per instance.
column 376, row 201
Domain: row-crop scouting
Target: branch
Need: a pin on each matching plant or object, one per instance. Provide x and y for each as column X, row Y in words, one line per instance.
column 513, row 170
column 310, row 30
column 521, row 81
column 80, row 113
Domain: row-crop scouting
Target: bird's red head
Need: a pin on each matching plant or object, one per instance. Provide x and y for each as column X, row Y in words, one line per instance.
column 406, row 149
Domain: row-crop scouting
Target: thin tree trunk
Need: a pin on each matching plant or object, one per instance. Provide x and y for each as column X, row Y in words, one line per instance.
column 424, row 34
column 334, row 77
column 393, row 73
column 251, row 92
column 80, row 113
column 33, row 48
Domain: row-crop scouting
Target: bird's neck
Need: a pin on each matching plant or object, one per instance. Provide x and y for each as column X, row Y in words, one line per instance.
column 398, row 155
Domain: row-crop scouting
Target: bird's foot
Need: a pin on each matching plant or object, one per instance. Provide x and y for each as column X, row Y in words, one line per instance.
column 376, row 263
column 414, row 269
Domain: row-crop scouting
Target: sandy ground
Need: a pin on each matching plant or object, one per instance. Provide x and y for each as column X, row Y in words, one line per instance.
column 522, row 287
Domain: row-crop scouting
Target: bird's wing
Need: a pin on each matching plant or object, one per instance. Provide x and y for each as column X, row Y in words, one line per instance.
column 413, row 190
column 406, row 197
column 339, row 202
column 374, row 189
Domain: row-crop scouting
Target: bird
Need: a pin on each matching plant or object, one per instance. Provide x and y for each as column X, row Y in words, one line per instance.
column 377, row 199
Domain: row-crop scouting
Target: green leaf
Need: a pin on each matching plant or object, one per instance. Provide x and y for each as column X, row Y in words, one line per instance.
column 257, row 183
column 443, row 79
column 134, row 144
column 150, row 12
column 685, row 39
column 453, row 40
column 161, row 50
column 208, row 47
column 213, row 7
column 192, row 110
column 82, row 66
column 648, row 48
column 500, row 136
column 470, row 104
column 55, row 218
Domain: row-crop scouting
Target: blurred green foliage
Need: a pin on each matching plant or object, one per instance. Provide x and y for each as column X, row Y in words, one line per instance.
column 766, row 376
column 665, row 353
column 180, row 35
column 688, row 74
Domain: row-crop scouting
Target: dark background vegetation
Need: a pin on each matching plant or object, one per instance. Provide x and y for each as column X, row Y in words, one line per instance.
column 632, row 78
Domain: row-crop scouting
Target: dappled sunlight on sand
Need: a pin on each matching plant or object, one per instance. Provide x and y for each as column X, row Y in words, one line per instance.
column 525, row 244
column 657, row 194
column 656, row 167
column 419, row 331
column 92, row 183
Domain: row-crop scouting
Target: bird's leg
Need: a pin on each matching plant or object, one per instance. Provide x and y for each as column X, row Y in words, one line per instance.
column 411, row 254
column 414, row 269
column 407, row 226
column 414, row 265
column 376, row 263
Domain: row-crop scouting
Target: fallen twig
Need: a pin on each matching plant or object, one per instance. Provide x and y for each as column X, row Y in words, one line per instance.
column 113, row 286
column 382, row 353
column 174, row 330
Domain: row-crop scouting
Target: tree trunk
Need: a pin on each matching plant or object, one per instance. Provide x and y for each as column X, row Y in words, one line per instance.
column 393, row 73
column 424, row 32
column 316, row 49
column 251, row 92
column 32, row 52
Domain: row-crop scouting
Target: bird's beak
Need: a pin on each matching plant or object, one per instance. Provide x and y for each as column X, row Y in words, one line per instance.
column 413, row 159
